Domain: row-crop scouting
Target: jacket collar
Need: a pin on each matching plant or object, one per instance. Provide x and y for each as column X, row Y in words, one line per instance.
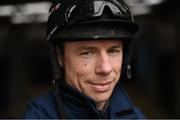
column 119, row 103
column 74, row 97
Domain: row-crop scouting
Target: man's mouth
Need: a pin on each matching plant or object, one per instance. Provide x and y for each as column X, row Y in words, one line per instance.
column 101, row 86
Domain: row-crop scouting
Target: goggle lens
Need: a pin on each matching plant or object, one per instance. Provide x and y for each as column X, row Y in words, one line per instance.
column 84, row 11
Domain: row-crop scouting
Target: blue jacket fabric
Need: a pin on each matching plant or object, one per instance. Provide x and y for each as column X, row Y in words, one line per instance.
column 76, row 105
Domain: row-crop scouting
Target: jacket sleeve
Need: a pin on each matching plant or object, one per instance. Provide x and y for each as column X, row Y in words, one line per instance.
column 33, row 112
column 44, row 107
column 139, row 113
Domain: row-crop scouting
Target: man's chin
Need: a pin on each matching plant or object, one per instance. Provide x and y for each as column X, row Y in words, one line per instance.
column 101, row 98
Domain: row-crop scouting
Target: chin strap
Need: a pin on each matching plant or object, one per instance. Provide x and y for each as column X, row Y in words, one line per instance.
column 128, row 72
column 60, row 103
column 56, row 70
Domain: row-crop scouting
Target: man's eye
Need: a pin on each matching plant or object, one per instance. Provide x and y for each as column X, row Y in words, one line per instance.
column 114, row 52
column 87, row 54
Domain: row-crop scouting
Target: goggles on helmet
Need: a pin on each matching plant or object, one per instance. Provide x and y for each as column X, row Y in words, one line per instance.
column 70, row 12
column 96, row 8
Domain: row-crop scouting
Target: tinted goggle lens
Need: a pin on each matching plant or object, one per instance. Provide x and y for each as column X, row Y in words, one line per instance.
column 84, row 11
column 99, row 7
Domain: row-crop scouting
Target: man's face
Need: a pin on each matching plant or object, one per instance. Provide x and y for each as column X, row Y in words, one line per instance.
column 93, row 67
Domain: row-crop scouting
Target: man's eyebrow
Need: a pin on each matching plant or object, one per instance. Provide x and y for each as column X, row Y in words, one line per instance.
column 86, row 48
column 117, row 46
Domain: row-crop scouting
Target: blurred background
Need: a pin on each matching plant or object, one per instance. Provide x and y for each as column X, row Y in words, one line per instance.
column 25, row 69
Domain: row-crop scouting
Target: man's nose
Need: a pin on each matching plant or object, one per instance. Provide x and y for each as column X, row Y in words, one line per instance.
column 103, row 64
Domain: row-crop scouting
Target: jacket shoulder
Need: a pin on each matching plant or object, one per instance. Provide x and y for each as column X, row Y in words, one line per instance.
column 139, row 113
column 42, row 107
column 123, row 107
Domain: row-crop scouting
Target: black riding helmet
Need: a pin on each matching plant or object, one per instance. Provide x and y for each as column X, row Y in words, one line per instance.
column 74, row 20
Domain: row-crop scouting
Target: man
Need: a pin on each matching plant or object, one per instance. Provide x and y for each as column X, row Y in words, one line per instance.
column 90, row 42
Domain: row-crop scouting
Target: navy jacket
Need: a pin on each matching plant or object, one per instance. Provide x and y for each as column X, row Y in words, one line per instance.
column 76, row 105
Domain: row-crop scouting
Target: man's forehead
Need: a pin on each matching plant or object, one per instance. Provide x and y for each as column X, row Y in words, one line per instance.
column 93, row 44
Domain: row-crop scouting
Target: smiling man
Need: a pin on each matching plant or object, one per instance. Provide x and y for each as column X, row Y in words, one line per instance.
column 90, row 43
column 93, row 68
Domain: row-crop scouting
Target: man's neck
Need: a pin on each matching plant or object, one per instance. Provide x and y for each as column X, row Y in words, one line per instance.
column 101, row 106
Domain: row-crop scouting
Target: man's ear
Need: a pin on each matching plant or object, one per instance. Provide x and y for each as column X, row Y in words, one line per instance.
column 60, row 57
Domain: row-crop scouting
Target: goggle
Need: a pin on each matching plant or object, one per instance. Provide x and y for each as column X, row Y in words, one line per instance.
column 78, row 11
column 95, row 8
